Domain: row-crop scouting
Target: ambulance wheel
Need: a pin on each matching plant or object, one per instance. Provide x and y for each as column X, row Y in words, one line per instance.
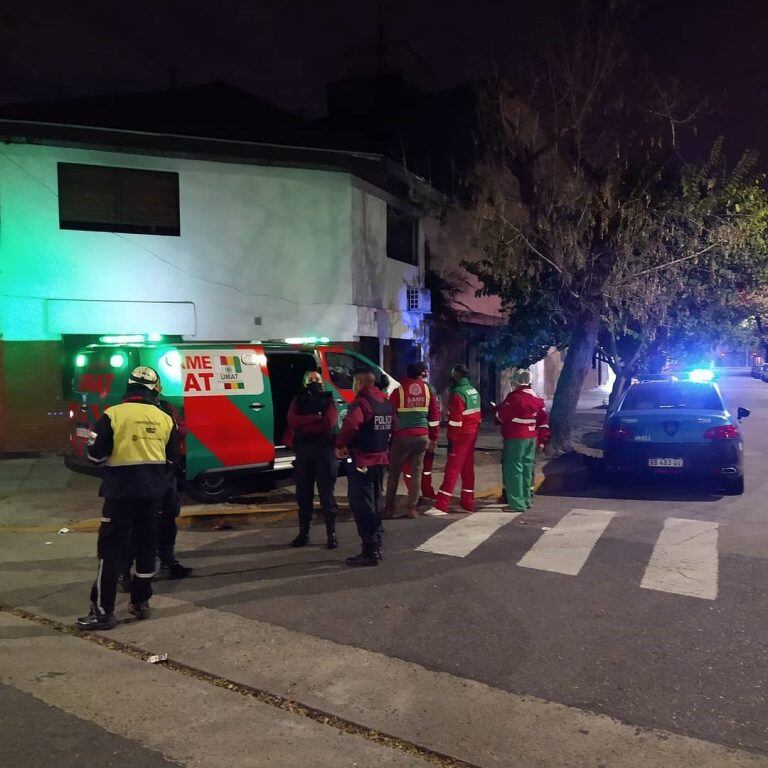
column 209, row 489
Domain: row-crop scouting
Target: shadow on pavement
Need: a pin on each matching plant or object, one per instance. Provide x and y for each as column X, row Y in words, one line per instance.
column 574, row 475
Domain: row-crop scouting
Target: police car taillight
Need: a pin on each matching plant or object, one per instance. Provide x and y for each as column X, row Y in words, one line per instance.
column 723, row 432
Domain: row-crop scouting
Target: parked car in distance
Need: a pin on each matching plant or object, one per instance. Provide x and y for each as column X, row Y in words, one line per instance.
column 763, row 376
column 680, row 428
column 756, row 370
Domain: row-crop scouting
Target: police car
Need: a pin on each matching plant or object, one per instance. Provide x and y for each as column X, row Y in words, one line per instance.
column 233, row 397
column 676, row 428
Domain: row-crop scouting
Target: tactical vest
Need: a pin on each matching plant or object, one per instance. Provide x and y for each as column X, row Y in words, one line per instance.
column 413, row 404
column 469, row 395
column 373, row 435
column 140, row 434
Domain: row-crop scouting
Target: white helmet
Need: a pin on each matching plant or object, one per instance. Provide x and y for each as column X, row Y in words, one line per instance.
column 522, row 377
column 145, row 376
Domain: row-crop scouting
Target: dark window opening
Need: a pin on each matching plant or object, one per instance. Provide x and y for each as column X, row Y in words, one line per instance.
column 105, row 199
column 286, row 375
column 402, row 236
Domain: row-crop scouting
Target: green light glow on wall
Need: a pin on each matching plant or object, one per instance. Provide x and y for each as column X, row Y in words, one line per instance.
column 135, row 338
column 117, row 361
column 154, row 337
column 80, row 361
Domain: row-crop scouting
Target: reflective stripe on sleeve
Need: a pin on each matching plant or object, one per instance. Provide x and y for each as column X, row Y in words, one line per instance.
column 471, row 410
column 145, row 575
column 523, row 421
column 106, row 519
column 433, row 423
column 454, row 423
column 445, row 493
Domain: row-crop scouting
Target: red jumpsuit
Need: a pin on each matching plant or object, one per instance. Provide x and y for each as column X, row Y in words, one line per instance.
column 463, row 425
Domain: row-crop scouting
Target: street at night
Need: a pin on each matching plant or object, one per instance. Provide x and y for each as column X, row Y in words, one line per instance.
column 584, row 601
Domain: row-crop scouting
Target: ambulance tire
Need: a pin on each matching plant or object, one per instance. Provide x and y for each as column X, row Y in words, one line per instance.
column 210, row 489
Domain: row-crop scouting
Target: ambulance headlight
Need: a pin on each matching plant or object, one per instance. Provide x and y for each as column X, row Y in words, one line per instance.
column 117, row 360
column 80, row 361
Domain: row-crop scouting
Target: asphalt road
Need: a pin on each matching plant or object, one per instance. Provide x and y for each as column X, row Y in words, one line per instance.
column 648, row 604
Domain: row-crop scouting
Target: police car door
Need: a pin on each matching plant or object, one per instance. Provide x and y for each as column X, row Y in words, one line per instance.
column 227, row 408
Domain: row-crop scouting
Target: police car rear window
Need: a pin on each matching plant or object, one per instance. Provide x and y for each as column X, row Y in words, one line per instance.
column 667, row 396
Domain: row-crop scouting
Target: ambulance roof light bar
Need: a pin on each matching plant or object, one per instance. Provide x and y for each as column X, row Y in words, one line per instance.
column 308, row 340
column 131, row 338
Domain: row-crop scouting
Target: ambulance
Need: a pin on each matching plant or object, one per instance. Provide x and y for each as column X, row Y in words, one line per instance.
column 233, row 398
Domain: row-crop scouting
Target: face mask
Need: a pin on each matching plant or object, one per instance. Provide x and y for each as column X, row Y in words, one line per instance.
column 315, row 387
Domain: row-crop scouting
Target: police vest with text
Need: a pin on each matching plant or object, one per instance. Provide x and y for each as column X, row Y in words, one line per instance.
column 413, row 405
column 140, row 433
column 373, row 435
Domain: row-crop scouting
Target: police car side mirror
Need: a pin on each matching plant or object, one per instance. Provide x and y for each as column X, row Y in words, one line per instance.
column 742, row 413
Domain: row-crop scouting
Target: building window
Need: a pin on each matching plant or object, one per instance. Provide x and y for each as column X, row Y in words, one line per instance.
column 105, row 199
column 402, row 236
column 413, row 300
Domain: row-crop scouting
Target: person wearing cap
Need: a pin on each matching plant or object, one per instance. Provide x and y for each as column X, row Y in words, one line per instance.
column 312, row 419
column 464, row 419
column 364, row 437
column 524, row 425
column 416, row 429
column 134, row 442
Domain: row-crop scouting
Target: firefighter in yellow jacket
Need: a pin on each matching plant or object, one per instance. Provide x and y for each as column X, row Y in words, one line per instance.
column 133, row 441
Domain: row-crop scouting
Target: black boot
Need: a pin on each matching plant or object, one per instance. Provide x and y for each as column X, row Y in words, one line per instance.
column 330, row 533
column 139, row 610
column 366, row 559
column 302, row 539
column 173, row 569
column 96, row 621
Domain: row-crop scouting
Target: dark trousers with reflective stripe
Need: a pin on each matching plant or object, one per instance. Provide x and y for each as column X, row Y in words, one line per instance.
column 124, row 521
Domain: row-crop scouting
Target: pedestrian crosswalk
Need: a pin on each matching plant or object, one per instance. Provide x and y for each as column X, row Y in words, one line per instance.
column 684, row 559
column 566, row 547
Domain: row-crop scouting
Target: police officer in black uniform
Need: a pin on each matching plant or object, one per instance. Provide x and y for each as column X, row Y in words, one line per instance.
column 312, row 418
column 134, row 441
column 364, row 437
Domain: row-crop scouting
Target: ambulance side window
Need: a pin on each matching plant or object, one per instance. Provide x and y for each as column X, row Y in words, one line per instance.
column 341, row 369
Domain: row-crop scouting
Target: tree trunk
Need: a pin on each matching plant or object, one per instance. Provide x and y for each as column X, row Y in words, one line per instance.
column 619, row 385
column 578, row 360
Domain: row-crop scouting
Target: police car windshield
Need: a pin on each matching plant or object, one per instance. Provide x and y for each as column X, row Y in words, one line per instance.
column 647, row 397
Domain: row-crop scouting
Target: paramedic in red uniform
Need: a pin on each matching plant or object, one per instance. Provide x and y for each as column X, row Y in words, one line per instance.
column 312, row 420
column 524, row 425
column 416, row 429
column 427, row 490
column 463, row 425
column 364, row 437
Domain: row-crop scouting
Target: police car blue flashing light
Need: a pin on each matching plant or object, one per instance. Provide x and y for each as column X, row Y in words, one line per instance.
column 701, row 375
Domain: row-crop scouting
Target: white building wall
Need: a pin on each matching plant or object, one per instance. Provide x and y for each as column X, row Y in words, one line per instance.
column 289, row 246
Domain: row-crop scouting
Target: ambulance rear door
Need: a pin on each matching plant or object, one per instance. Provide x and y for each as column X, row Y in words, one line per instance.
column 227, row 408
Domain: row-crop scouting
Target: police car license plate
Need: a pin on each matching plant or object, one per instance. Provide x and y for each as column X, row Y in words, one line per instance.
column 82, row 432
column 665, row 462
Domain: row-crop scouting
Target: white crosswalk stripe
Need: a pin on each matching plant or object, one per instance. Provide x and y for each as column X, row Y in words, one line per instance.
column 464, row 536
column 566, row 547
column 684, row 560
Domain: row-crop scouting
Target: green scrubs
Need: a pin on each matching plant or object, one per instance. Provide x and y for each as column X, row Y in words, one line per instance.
column 518, row 462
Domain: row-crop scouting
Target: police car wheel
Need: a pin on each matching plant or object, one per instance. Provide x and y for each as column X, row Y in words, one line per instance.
column 735, row 487
column 209, row 489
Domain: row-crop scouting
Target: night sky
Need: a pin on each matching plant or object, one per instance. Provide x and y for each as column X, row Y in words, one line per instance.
column 286, row 51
